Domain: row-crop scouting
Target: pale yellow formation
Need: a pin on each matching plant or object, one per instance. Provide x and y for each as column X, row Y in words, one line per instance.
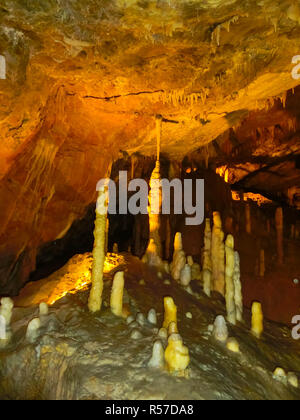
column 170, row 312
column 6, row 309
column 179, row 259
column 95, row 299
column 218, row 255
column 233, row 345
column 279, row 230
column 230, row 292
column 177, row 355
column 257, row 320
column 207, row 264
column 116, row 298
column 173, row 328
column 238, row 296
column 248, row 218
column 262, row 267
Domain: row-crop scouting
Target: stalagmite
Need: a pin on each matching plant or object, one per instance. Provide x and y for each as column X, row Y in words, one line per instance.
column 6, row 309
column 172, row 328
column 238, row 296
column 163, row 333
column 207, row 264
column 257, row 327
column 179, row 259
column 116, row 298
column 177, row 355
column 33, row 329
column 115, row 248
column 95, row 299
column 155, row 201
column 280, row 375
column 279, row 230
column 220, row 330
column 248, row 218
column 140, row 319
column 157, row 360
column 190, row 261
column 230, row 294
column 44, row 309
column 233, row 345
column 152, row 317
column 262, row 268
column 170, row 312
column 292, row 379
column 186, row 275
column 196, row 272
column 218, row 255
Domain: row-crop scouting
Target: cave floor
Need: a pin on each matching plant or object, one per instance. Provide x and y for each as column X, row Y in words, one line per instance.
column 80, row 356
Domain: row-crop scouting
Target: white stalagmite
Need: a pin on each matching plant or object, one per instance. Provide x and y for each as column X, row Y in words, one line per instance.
column 117, row 291
column 238, row 296
column 152, row 316
column 279, row 230
column 6, row 309
column 179, row 259
column 230, row 293
column 95, row 298
column 218, row 255
column 220, row 330
column 157, row 360
column 44, row 309
column 186, row 275
column 207, row 264
column 33, row 329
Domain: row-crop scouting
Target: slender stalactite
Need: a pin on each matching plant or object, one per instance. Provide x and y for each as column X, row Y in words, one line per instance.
column 95, row 299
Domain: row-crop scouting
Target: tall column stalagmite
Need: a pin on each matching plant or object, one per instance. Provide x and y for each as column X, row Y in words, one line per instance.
column 95, row 299
column 238, row 296
column 207, row 264
column 218, row 255
column 229, row 271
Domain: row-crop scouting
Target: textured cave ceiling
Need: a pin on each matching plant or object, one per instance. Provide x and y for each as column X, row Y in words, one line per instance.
column 85, row 80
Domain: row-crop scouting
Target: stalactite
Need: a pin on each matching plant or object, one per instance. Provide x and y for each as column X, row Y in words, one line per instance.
column 95, row 299
column 207, row 264
column 229, row 271
column 279, row 230
column 218, row 255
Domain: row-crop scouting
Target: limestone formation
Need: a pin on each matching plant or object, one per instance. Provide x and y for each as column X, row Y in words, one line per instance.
column 179, row 258
column 117, row 291
column 170, row 312
column 6, row 309
column 186, row 275
column 257, row 326
column 207, row 262
column 157, row 360
column 238, row 296
column 220, row 331
column 95, row 299
column 218, row 255
column 152, row 317
column 230, row 289
column 177, row 355
column 33, row 329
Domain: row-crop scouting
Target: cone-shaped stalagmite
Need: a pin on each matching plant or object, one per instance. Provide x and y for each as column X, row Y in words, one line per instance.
column 179, row 259
column 170, row 312
column 257, row 326
column 116, row 298
column 238, row 297
column 218, row 255
column 207, row 264
column 95, row 299
column 229, row 296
